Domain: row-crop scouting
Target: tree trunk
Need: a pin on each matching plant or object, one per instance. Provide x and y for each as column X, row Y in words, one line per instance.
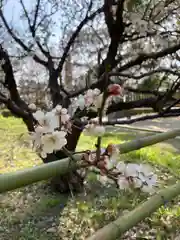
column 72, row 181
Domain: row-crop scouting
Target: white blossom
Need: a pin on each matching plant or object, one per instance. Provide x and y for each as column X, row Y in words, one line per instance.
column 54, row 141
column 36, row 138
column 53, row 120
column 149, row 184
column 43, row 154
column 131, row 170
column 98, row 101
column 40, row 130
column 32, row 106
column 48, row 120
column 39, row 116
column 64, row 111
column 145, row 169
column 137, row 183
column 94, row 130
column 123, row 182
column 139, row 175
column 64, row 117
column 96, row 91
column 89, row 92
column 58, row 108
column 88, row 100
column 121, row 166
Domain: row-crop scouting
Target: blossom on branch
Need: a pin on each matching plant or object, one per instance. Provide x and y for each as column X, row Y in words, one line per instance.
column 50, row 136
column 53, row 141
column 94, row 130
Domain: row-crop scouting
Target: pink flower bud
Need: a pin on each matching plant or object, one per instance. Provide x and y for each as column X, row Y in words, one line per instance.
column 115, row 90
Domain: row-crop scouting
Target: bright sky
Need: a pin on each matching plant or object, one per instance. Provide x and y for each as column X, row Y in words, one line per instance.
column 11, row 11
column 13, row 8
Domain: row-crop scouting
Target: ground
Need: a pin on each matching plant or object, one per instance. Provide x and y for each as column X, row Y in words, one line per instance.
column 34, row 212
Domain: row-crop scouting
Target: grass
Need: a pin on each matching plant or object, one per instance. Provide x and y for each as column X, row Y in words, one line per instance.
column 34, row 212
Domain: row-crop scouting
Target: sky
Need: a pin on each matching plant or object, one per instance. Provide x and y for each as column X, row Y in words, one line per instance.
column 12, row 9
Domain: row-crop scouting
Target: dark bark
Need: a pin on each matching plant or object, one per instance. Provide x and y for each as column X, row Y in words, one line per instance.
column 15, row 104
column 72, row 181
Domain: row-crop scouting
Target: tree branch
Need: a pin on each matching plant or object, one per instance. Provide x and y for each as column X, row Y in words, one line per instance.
column 15, row 103
column 148, row 102
column 139, row 60
column 143, row 57
column 36, row 15
column 20, row 42
column 138, row 90
column 172, row 113
column 32, row 27
column 116, row 28
column 9, row 82
column 160, row 70
column 74, row 36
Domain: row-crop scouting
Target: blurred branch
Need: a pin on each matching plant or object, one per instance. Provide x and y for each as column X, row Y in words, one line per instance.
column 160, row 70
column 75, row 34
column 14, row 103
column 20, row 42
column 172, row 113
column 36, row 15
column 144, row 57
column 32, row 27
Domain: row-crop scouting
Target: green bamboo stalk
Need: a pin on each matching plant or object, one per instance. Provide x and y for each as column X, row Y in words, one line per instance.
column 118, row 227
column 11, row 181
column 147, row 141
column 141, row 129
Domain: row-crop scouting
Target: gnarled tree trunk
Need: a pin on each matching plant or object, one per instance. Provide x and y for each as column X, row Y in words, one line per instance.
column 72, row 181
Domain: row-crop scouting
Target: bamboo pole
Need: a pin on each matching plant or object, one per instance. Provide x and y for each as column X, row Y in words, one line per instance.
column 118, row 227
column 147, row 141
column 11, row 181
column 126, row 127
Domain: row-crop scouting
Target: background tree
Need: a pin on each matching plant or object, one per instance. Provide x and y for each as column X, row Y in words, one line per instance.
column 133, row 42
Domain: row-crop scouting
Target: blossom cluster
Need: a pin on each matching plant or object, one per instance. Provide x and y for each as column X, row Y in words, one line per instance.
column 50, row 134
column 92, row 98
column 52, row 128
column 94, row 129
column 136, row 175
column 125, row 175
